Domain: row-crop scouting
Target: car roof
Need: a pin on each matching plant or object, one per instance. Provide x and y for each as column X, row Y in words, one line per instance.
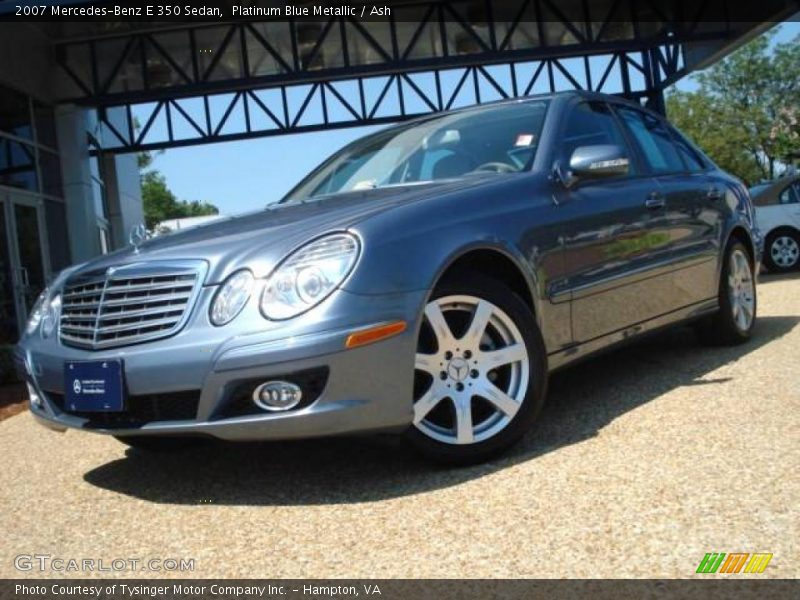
column 563, row 95
column 585, row 94
column 770, row 189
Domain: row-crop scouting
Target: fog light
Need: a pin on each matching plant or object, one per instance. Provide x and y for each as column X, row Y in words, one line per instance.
column 36, row 401
column 277, row 395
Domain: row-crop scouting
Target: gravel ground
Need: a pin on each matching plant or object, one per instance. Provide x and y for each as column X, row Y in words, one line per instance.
column 645, row 459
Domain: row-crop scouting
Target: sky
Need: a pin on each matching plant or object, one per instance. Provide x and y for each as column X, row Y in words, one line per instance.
column 243, row 176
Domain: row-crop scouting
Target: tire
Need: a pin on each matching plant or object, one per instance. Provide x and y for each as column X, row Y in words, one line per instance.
column 152, row 443
column 465, row 320
column 734, row 321
column 782, row 251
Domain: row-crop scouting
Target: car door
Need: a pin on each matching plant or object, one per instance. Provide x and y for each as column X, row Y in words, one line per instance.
column 775, row 204
column 700, row 223
column 692, row 213
column 611, row 238
column 789, row 199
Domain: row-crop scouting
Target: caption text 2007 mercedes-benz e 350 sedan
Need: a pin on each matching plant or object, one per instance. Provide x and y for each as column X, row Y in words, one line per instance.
column 424, row 280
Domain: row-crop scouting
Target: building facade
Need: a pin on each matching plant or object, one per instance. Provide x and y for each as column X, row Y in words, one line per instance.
column 59, row 204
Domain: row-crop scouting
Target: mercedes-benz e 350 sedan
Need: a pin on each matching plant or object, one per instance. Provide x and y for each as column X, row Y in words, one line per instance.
column 424, row 279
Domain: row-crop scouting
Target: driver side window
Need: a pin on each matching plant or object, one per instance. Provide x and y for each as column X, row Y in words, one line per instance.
column 591, row 124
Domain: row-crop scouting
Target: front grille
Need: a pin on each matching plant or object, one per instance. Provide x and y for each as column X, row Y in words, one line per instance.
column 139, row 410
column 128, row 304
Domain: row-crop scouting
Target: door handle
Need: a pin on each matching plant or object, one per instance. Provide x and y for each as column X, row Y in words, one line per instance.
column 714, row 194
column 655, row 201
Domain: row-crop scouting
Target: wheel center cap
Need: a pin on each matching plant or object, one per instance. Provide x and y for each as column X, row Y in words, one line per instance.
column 458, row 369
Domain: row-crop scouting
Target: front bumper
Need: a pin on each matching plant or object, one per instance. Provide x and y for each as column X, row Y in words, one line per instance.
column 368, row 388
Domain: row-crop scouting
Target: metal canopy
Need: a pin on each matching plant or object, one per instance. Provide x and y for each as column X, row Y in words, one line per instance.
column 192, row 83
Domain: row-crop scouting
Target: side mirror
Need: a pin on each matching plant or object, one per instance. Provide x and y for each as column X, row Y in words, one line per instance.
column 596, row 162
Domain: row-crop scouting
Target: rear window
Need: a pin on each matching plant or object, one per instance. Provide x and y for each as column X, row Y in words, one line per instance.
column 653, row 140
column 694, row 161
column 789, row 195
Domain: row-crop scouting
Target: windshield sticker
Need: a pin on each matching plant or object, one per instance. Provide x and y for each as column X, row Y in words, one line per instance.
column 524, row 139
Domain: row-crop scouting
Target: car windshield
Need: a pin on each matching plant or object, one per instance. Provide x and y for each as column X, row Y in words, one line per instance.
column 501, row 139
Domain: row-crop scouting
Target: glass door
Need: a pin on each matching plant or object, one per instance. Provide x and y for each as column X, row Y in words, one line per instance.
column 9, row 326
column 24, row 256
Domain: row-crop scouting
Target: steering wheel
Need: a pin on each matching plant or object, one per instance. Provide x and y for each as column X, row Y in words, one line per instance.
column 497, row 167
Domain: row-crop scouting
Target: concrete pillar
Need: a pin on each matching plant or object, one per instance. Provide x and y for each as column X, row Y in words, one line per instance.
column 123, row 188
column 124, row 196
column 75, row 169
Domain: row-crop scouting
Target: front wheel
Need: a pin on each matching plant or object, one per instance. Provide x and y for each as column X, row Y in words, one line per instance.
column 480, row 373
column 733, row 322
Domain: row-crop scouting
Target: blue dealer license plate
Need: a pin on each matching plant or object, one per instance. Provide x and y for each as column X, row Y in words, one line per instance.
column 94, row 386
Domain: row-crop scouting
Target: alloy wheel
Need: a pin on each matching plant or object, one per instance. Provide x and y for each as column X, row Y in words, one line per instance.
column 785, row 251
column 472, row 370
column 741, row 289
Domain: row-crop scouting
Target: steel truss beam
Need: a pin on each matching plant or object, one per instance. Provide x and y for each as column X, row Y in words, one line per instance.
column 194, row 59
column 275, row 77
column 251, row 113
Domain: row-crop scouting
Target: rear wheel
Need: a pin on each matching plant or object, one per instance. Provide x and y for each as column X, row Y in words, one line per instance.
column 480, row 373
column 782, row 251
column 733, row 322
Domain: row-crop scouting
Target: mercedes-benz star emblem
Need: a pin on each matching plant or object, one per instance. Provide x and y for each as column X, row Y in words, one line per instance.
column 137, row 236
column 458, row 369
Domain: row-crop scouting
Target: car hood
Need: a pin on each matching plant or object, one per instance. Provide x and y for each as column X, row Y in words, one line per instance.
column 261, row 239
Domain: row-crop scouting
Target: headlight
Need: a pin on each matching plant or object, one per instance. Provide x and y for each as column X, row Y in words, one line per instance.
column 231, row 297
column 35, row 316
column 309, row 275
column 50, row 315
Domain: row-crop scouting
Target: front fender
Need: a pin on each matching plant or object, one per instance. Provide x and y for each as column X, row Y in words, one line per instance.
column 410, row 248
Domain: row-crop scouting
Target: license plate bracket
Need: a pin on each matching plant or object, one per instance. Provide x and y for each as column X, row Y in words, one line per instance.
column 94, row 386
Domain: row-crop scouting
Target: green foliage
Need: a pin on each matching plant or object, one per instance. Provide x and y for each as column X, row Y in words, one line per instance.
column 144, row 159
column 745, row 112
column 161, row 204
column 696, row 115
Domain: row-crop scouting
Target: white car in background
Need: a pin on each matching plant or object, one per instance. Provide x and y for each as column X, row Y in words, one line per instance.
column 777, row 205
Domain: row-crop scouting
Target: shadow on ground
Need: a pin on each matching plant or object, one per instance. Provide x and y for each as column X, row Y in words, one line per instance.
column 581, row 401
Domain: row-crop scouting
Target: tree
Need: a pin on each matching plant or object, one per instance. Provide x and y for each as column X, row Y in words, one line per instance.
column 696, row 115
column 786, row 131
column 744, row 114
column 159, row 202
